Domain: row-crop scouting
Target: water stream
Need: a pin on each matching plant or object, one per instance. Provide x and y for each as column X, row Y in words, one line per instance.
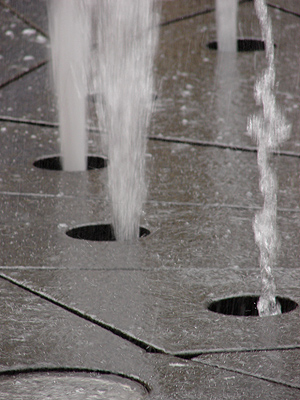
column 269, row 129
column 127, row 38
column 226, row 14
column 69, row 35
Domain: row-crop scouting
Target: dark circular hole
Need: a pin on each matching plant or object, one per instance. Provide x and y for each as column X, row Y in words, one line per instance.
column 99, row 232
column 54, row 163
column 243, row 45
column 246, row 306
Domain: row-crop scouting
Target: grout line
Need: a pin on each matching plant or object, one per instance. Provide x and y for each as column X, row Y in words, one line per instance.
column 40, row 195
column 24, row 73
column 185, row 17
column 34, row 122
column 14, row 268
column 252, row 375
column 171, row 139
column 195, row 142
column 141, row 344
column 154, row 202
column 24, row 19
column 189, row 355
column 25, row 121
column 218, row 205
column 284, row 10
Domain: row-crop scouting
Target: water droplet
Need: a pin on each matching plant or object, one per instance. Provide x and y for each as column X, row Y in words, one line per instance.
column 41, row 39
column 28, row 58
column 10, row 34
column 29, row 32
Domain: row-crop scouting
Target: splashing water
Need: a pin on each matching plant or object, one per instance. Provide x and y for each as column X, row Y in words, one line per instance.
column 226, row 14
column 127, row 40
column 69, row 36
column 269, row 129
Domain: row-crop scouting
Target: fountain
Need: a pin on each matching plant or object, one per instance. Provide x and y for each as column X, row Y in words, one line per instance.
column 69, row 34
column 126, row 43
column 269, row 129
column 226, row 14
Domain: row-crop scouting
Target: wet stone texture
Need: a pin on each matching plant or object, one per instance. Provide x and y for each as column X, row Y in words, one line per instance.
column 75, row 311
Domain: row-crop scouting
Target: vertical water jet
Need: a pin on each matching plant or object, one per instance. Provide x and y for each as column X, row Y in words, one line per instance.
column 69, row 36
column 127, row 38
column 226, row 15
column 269, row 129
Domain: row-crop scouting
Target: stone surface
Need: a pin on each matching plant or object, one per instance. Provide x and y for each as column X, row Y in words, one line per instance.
column 67, row 303
column 22, row 48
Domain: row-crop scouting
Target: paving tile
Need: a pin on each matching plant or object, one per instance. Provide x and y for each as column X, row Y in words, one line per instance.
column 175, row 9
column 193, row 82
column 192, row 384
column 200, row 208
column 33, row 11
column 22, row 47
column 30, row 97
column 176, row 173
column 41, row 336
column 206, row 95
column 33, row 229
column 167, row 307
column 281, row 366
column 38, row 334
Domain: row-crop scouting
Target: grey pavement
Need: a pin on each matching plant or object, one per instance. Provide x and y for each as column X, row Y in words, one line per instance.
column 79, row 316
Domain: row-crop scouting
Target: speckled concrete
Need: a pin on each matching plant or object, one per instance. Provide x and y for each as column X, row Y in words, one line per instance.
column 140, row 310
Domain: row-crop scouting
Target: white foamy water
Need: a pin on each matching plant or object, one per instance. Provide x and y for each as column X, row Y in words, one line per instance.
column 127, row 38
column 69, row 36
column 270, row 129
column 226, row 14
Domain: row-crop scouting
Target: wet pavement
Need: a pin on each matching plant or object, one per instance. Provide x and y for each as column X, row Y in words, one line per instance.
column 96, row 318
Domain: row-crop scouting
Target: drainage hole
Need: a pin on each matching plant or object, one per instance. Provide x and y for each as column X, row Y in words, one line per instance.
column 243, row 45
column 246, row 306
column 99, row 232
column 53, row 163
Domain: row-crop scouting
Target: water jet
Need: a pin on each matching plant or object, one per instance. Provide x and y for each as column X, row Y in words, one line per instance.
column 69, row 36
column 126, row 44
column 269, row 129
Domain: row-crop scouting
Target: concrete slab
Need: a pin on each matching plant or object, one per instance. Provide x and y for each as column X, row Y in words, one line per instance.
column 209, row 96
column 63, row 292
column 38, row 334
column 167, row 308
column 30, row 97
column 177, row 173
column 280, row 366
column 171, row 10
column 22, row 47
column 33, row 12
column 194, row 82
column 42, row 337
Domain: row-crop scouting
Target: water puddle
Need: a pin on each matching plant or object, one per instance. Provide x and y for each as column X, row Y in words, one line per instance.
column 63, row 386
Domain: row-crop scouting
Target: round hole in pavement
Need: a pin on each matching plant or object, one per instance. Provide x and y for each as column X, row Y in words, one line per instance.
column 53, row 163
column 246, row 306
column 99, row 232
column 243, row 45
column 75, row 385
